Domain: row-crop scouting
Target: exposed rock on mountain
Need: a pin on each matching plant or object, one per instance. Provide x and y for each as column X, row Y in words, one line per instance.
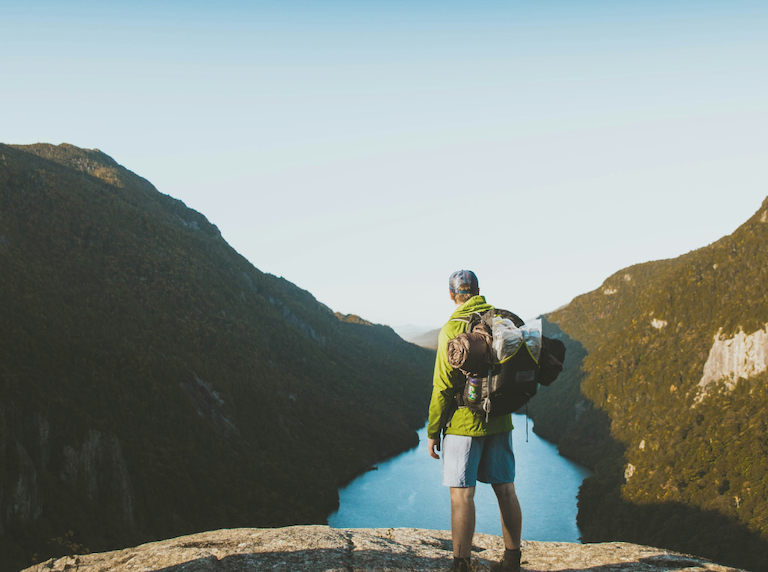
column 154, row 383
column 739, row 357
column 323, row 549
column 666, row 398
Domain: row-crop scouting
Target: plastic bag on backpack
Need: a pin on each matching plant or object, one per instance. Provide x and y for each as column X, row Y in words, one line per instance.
column 507, row 339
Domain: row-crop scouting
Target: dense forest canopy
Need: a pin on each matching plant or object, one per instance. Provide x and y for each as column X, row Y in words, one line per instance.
column 155, row 383
column 665, row 394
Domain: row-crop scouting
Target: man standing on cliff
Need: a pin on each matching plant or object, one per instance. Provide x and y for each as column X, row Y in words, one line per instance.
column 472, row 448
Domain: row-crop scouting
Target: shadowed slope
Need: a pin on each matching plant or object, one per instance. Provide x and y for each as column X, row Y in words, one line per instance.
column 155, row 383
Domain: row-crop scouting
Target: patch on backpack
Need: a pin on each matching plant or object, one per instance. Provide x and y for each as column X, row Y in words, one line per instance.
column 524, row 376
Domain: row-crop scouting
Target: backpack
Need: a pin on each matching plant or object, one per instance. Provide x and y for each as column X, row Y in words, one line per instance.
column 504, row 362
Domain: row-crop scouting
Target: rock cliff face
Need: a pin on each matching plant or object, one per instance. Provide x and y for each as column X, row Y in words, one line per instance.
column 324, row 549
column 96, row 467
column 740, row 357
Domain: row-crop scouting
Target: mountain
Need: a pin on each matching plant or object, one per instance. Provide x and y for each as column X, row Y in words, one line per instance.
column 665, row 395
column 424, row 337
column 408, row 331
column 426, row 340
column 155, row 383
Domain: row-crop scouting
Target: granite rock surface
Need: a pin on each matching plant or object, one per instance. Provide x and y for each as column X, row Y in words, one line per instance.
column 325, row 549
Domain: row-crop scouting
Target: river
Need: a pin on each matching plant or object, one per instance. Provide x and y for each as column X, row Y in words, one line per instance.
column 406, row 491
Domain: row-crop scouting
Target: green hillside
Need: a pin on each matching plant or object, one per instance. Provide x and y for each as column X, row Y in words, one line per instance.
column 154, row 383
column 681, row 457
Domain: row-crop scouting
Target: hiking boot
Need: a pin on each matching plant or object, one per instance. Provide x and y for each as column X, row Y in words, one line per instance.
column 461, row 565
column 510, row 563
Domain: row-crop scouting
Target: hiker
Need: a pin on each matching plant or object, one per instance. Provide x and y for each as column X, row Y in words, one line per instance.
column 473, row 449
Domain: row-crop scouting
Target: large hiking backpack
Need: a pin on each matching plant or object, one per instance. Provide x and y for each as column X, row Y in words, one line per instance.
column 504, row 362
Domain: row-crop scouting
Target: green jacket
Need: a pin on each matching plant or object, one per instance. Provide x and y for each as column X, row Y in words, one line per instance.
column 445, row 382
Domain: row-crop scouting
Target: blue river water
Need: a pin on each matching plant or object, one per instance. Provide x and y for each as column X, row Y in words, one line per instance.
column 406, row 491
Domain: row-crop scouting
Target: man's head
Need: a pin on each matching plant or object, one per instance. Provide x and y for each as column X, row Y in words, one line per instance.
column 463, row 285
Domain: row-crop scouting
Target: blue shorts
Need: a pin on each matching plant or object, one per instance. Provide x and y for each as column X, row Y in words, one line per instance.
column 488, row 459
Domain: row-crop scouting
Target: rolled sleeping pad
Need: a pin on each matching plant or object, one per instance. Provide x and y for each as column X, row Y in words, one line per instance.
column 469, row 352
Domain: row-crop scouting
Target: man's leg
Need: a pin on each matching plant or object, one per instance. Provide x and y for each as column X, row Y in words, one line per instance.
column 498, row 468
column 463, row 520
column 461, row 455
column 511, row 516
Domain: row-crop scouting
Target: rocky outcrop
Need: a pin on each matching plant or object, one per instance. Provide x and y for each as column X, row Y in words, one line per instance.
column 22, row 462
column 321, row 548
column 99, row 468
column 25, row 501
column 96, row 468
column 741, row 356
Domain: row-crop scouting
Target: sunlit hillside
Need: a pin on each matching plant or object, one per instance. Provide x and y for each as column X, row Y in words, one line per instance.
column 665, row 394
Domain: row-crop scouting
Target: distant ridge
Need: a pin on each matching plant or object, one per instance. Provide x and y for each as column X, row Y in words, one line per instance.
column 154, row 383
column 427, row 340
column 421, row 336
column 407, row 331
column 665, row 395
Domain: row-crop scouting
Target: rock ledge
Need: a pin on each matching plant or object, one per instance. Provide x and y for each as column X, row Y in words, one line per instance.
column 325, row 549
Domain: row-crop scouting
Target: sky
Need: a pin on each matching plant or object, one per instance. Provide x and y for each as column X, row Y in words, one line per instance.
column 366, row 150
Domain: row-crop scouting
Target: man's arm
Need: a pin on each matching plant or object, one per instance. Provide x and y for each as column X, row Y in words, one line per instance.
column 442, row 393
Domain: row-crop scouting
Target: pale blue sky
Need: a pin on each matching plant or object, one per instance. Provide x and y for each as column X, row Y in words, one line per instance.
column 365, row 150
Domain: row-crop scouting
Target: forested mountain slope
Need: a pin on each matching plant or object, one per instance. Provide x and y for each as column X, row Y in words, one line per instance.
column 665, row 395
column 154, row 383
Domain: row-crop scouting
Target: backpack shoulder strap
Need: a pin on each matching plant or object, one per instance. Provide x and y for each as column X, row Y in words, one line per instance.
column 476, row 318
column 517, row 320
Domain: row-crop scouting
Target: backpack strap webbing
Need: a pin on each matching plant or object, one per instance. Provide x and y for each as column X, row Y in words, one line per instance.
column 514, row 318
